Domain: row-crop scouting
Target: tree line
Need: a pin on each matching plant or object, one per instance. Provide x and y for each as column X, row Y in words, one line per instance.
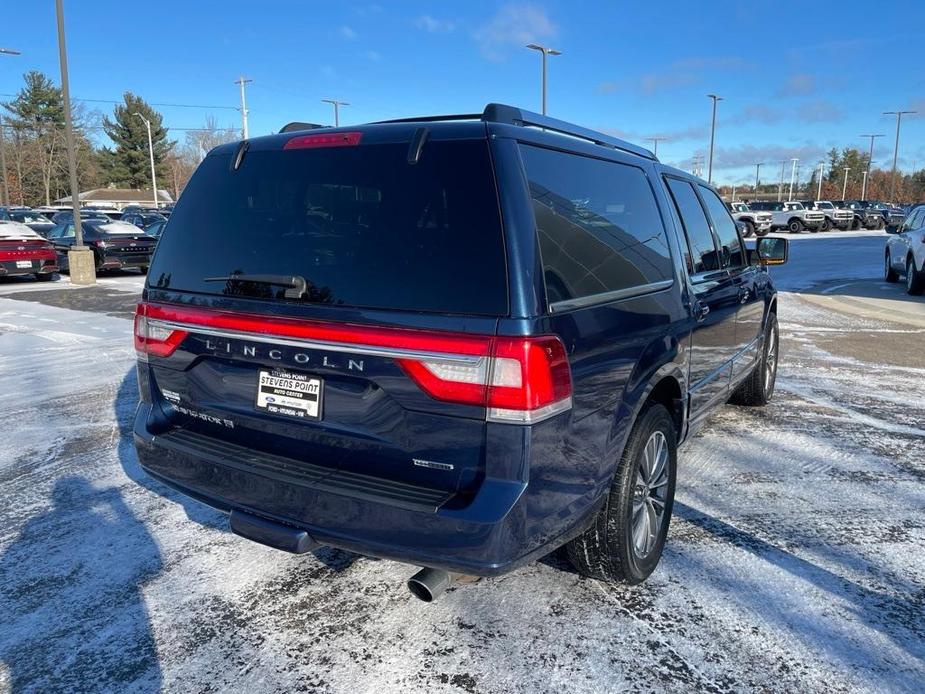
column 34, row 145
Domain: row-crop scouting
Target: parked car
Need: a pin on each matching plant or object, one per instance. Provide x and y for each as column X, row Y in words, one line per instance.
column 865, row 216
column 905, row 252
column 835, row 218
column 317, row 358
column 892, row 216
column 156, row 228
column 791, row 216
column 39, row 223
column 24, row 252
column 115, row 245
column 142, row 220
column 67, row 216
column 756, row 223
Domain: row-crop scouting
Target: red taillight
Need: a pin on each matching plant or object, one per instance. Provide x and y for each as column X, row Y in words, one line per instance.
column 155, row 339
column 521, row 379
column 518, row 379
column 328, row 140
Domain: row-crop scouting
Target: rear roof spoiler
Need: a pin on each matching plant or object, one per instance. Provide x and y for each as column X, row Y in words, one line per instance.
column 296, row 125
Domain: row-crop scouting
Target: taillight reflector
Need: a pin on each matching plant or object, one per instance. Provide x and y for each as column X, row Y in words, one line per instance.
column 327, row 140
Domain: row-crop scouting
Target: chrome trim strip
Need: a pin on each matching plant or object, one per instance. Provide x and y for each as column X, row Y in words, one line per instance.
column 388, row 352
column 607, row 297
column 505, row 416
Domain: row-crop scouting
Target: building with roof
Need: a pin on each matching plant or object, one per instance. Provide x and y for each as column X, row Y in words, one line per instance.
column 118, row 198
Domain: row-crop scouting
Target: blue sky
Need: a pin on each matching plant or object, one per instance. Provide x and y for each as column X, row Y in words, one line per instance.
column 797, row 77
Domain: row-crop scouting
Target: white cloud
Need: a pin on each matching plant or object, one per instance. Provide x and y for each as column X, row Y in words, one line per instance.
column 433, row 25
column 347, row 33
column 798, row 84
column 375, row 56
column 514, row 25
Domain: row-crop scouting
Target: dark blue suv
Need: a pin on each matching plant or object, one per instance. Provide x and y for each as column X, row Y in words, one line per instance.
column 458, row 342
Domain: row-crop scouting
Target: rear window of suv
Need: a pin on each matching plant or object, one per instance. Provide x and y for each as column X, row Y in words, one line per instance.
column 360, row 224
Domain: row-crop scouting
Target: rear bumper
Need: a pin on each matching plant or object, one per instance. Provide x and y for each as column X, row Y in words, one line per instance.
column 9, row 268
column 109, row 262
column 505, row 524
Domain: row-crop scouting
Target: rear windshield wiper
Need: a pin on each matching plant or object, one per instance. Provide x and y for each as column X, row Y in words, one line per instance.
column 297, row 285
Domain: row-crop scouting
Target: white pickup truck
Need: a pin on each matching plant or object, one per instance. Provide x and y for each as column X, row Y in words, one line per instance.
column 791, row 216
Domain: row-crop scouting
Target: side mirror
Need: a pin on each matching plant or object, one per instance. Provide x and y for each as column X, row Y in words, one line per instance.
column 771, row 251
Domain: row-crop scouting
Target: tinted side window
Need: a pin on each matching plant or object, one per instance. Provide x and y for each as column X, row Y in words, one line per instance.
column 729, row 242
column 598, row 225
column 703, row 250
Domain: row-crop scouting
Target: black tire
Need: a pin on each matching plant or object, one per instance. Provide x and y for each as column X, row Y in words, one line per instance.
column 795, row 226
column 143, row 269
column 763, row 232
column 881, row 224
column 758, row 388
column 749, row 228
column 815, row 230
column 45, row 277
column 856, row 224
column 889, row 274
column 827, row 224
column 915, row 280
column 607, row 550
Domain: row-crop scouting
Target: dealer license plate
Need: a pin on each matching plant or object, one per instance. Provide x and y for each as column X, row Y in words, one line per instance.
column 289, row 394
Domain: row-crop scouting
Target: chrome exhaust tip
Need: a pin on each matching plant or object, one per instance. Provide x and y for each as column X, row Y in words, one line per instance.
column 429, row 584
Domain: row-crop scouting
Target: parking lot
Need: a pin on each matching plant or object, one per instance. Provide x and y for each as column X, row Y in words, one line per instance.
column 795, row 559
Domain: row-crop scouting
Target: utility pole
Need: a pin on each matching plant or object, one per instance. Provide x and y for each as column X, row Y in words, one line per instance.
column 899, row 117
column 151, row 153
column 757, row 174
column 780, row 187
column 733, row 193
column 863, row 184
column 793, row 170
column 241, row 81
column 870, row 158
column 545, row 51
column 81, row 265
column 844, row 188
column 655, row 141
column 337, row 104
column 819, row 186
column 6, row 190
column 712, row 137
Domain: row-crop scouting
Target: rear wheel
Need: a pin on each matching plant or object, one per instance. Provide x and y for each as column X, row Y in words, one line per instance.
column 758, row 388
column 749, row 228
column 889, row 274
column 795, row 226
column 915, row 280
column 626, row 540
column 827, row 225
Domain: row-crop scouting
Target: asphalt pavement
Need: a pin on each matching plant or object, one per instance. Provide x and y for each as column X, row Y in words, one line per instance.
column 794, row 562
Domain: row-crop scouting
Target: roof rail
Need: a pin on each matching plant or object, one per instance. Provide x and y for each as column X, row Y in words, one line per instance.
column 501, row 113
column 431, row 119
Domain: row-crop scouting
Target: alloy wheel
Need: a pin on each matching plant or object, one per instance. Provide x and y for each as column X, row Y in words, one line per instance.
column 650, row 494
column 770, row 361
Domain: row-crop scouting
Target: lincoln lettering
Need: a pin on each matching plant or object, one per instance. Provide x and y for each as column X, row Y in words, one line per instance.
column 276, row 354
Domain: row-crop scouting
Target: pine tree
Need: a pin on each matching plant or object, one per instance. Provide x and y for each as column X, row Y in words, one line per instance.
column 129, row 164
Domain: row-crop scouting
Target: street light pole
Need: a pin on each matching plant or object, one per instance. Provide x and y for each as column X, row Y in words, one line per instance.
column 712, row 137
column 870, row 157
column 819, row 186
column 337, row 104
column 757, row 174
column 899, row 117
column 793, row 170
column 844, row 188
column 655, row 141
column 151, row 154
column 6, row 189
column 780, row 187
column 545, row 51
column 81, row 265
column 241, row 81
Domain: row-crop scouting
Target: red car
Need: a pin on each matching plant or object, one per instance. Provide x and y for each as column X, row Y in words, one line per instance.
column 24, row 252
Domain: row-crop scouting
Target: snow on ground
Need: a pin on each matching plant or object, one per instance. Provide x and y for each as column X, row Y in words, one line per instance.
column 795, row 560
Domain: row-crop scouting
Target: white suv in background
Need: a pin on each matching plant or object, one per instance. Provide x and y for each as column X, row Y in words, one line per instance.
column 905, row 252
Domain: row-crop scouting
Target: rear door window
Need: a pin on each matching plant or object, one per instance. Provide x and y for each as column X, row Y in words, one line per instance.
column 704, row 256
column 598, row 225
column 730, row 244
column 361, row 225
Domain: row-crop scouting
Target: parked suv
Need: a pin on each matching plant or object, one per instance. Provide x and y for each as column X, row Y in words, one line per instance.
column 905, row 252
column 865, row 215
column 791, row 216
column 458, row 343
column 835, row 218
column 756, row 223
